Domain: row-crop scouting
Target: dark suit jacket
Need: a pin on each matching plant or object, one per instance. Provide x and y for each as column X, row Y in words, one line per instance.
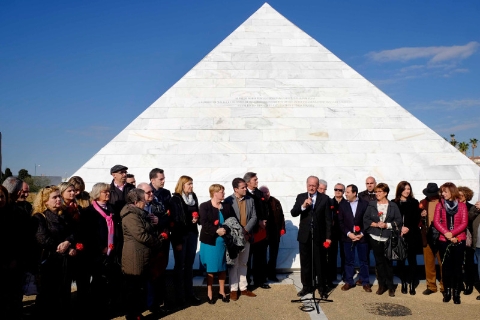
column 208, row 215
column 322, row 218
column 348, row 221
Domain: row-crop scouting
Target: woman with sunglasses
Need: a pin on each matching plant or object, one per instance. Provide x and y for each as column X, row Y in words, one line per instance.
column 56, row 244
column 380, row 218
column 451, row 220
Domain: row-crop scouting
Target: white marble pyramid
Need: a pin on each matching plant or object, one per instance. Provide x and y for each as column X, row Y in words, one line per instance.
column 272, row 100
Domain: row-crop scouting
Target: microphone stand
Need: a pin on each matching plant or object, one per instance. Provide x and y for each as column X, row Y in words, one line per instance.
column 314, row 278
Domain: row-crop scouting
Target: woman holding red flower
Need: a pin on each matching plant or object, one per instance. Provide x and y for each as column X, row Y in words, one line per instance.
column 212, row 247
column 451, row 220
column 379, row 219
column 99, row 232
column 410, row 211
column 140, row 242
column 56, row 243
column 184, row 237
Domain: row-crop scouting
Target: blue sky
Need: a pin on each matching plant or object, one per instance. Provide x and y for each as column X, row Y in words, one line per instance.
column 73, row 74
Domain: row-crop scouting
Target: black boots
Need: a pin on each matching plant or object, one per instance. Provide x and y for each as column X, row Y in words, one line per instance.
column 447, row 294
column 404, row 288
column 412, row 289
column 456, row 296
column 468, row 289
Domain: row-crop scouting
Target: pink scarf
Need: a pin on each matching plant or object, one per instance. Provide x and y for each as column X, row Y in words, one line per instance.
column 110, row 226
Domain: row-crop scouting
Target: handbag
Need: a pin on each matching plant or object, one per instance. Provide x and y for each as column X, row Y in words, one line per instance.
column 432, row 238
column 468, row 242
column 396, row 247
column 433, row 234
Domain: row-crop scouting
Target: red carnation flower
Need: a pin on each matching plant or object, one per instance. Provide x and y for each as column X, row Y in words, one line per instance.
column 168, row 212
column 195, row 215
column 164, row 235
column 282, row 232
column 420, row 205
column 380, row 213
column 357, row 229
column 263, row 199
column 326, row 244
column 79, row 246
column 331, row 207
column 110, row 246
column 216, row 222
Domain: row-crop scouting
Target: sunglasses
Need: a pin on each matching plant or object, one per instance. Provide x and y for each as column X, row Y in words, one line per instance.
column 341, row 190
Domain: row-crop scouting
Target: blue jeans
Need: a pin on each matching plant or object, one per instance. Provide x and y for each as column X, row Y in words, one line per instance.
column 183, row 268
column 477, row 253
column 362, row 252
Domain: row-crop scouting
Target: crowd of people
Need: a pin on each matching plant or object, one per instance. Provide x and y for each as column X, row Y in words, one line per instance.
column 114, row 241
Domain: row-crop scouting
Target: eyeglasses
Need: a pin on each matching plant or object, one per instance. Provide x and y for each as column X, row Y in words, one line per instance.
column 341, row 190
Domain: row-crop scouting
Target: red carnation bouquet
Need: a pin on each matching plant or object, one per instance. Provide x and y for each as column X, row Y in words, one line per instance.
column 326, row 244
column 164, row 235
column 195, row 215
column 79, row 246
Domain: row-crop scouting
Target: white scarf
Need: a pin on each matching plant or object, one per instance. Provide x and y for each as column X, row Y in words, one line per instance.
column 188, row 200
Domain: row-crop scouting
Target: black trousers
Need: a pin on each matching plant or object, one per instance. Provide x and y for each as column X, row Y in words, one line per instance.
column 273, row 246
column 452, row 257
column 307, row 272
column 383, row 265
column 408, row 273
column 332, row 260
column 135, row 295
column 258, row 251
column 469, row 266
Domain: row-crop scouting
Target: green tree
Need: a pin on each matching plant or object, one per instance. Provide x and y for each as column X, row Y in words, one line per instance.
column 36, row 183
column 23, row 174
column 8, row 173
column 453, row 142
column 474, row 142
column 463, row 147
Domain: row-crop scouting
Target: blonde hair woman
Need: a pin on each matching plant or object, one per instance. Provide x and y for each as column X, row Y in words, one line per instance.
column 212, row 247
column 56, row 243
column 184, row 236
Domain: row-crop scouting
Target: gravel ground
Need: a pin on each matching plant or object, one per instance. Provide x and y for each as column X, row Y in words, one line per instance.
column 356, row 304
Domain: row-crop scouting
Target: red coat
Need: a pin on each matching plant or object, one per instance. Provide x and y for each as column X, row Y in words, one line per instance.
column 460, row 221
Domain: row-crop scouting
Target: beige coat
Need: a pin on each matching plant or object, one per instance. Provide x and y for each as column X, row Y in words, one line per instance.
column 139, row 240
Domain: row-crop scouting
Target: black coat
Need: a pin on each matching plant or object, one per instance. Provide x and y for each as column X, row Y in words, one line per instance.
column 163, row 195
column 334, row 206
column 411, row 215
column 118, row 197
column 51, row 230
column 348, row 221
column 181, row 215
column 321, row 215
column 208, row 215
column 93, row 233
column 276, row 219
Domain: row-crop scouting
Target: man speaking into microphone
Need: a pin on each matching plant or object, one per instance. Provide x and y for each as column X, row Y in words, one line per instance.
column 314, row 211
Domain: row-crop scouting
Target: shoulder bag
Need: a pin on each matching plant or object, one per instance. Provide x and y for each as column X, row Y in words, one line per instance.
column 396, row 247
